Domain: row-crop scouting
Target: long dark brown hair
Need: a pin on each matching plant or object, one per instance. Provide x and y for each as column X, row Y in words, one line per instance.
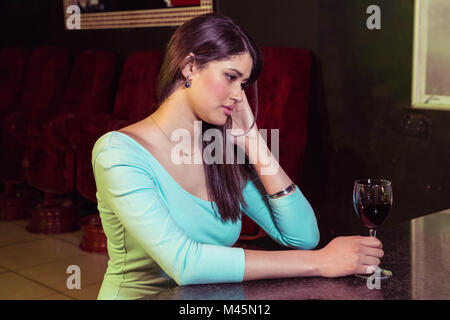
column 213, row 37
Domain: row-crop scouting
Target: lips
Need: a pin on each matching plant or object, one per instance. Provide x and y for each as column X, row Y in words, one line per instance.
column 226, row 110
column 231, row 108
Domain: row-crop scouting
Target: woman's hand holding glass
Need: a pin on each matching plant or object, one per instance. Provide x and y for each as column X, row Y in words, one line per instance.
column 345, row 256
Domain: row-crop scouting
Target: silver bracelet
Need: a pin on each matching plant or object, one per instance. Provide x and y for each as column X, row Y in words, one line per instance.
column 282, row 192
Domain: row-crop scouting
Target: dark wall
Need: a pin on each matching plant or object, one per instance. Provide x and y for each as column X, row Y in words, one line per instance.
column 38, row 22
column 41, row 22
column 361, row 93
column 277, row 23
column 367, row 80
column 361, row 96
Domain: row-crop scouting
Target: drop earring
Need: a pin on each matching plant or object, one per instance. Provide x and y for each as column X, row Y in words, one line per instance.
column 187, row 84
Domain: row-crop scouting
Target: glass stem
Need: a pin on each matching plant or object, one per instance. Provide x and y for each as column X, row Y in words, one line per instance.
column 373, row 232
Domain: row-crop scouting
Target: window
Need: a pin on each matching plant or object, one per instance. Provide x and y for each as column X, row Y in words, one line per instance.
column 431, row 63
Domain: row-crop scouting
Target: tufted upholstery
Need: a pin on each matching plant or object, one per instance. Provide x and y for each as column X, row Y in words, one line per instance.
column 45, row 82
column 135, row 100
column 283, row 94
column 13, row 62
column 283, row 99
column 50, row 157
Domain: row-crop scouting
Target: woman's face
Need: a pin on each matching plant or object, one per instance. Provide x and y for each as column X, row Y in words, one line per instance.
column 217, row 85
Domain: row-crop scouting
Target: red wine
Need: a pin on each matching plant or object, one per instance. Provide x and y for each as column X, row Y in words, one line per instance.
column 373, row 215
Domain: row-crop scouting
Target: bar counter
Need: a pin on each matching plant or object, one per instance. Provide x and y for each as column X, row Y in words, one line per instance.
column 417, row 252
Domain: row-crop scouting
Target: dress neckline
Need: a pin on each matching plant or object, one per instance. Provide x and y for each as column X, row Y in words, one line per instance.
column 162, row 168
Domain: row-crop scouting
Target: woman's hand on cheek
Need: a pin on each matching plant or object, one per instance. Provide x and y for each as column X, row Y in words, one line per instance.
column 242, row 118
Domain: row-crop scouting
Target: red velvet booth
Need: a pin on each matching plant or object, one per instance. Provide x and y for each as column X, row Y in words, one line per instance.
column 45, row 81
column 283, row 94
column 135, row 100
column 50, row 158
column 283, row 100
column 13, row 62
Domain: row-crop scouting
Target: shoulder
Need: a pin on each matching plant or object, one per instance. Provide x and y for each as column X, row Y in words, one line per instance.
column 110, row 142
column 114, row 147
column 120, row 164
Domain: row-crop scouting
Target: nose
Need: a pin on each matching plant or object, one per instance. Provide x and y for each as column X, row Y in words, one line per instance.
column 236, row 95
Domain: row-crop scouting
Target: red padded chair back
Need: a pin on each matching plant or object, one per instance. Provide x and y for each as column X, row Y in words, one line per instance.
column 13, row 62
column 283, row 94
column 43, row 89
column 45, row 81
column 89, row 92
column 136, row 95
column 90, row 84
column 135, row 100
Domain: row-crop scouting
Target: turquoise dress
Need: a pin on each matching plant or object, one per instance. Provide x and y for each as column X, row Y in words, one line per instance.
column 159, row 235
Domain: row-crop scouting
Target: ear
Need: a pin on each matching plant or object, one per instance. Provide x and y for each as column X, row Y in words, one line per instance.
column 189, row 65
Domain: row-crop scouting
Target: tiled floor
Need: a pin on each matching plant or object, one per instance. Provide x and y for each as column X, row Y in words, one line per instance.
column 34, row 266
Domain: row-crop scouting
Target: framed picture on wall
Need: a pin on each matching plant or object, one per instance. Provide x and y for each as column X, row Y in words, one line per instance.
column 431, row 62
column 112, row 14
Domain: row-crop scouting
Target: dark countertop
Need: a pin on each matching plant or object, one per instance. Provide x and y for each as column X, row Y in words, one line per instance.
column 417, row 252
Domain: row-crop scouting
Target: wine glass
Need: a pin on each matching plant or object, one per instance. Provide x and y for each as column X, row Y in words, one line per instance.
column 372, row 199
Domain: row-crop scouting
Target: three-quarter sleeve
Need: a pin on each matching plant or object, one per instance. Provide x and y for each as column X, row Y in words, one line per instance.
column 129, row 190
column 289, row 220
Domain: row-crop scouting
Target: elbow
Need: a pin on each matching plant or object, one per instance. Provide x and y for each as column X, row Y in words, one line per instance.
column 178, row 281
column 313, row 238
column 185, row 278
column 307, row 241
column 181, row 279
column 310, row 239
column 178, row 275
column 311, row 242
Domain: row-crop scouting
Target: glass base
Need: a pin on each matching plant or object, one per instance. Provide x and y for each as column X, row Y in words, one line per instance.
column 384, row 274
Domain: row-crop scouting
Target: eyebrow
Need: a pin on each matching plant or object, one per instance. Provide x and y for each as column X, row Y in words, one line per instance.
column 238, row 72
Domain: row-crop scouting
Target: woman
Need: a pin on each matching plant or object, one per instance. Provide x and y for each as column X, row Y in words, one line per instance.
column 169, row 222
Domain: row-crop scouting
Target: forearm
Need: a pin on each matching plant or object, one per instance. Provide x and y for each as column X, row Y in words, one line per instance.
column 281, row 264
column 266, row 165
column 290, row 219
